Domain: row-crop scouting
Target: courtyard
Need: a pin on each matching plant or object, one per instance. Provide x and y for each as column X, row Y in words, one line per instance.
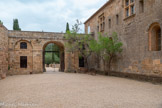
column 69, row 90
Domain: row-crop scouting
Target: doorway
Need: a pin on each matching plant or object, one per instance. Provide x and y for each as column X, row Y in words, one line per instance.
column 53, row 57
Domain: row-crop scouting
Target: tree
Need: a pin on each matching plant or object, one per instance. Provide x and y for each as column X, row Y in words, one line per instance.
column 75, row 27
column 16, row 25
column 67, row 27
column 107, row 47
column 1, row 22
column 78, row 42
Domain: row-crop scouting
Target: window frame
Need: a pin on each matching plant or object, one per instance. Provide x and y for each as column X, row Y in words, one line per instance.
column 109, row 20
column 141, row 6
column 23, row 45
column 23, row 61
column 101, row 21
column 129, row 11
column 158, row 39
column 117, row 19
column 155, row 37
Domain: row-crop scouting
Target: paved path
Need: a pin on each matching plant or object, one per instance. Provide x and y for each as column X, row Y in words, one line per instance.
column 68, row 90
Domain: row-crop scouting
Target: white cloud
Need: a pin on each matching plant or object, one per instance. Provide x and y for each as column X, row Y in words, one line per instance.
column 47, row 15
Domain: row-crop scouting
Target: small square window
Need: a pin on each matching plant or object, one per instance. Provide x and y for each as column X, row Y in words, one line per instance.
column 23, row 45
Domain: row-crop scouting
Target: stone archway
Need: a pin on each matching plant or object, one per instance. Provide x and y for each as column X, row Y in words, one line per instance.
column 61, row 54
column 155, row 37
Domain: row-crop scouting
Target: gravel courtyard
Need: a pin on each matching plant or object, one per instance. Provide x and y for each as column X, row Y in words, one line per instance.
column 69, row 90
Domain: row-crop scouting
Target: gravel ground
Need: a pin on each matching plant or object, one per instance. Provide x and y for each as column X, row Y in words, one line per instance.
column 69, row 90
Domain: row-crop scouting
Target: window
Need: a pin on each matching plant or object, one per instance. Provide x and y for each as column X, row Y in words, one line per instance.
column 141, row 6
column 89, row 30
column 23, row 61
column 126, row 2
column 159, row 39
column 127, row 12
column 98, row 28
column 23, row 45
column 155, row 37
column 132, row 10
column 81, row 61
column 129, row 7
column 117, row 19
column 101, row 23
column 109, row 23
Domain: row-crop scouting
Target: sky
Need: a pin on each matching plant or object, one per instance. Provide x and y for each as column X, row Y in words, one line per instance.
column 47, row 15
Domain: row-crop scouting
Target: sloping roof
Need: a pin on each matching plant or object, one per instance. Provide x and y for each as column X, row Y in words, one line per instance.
column 107, row 3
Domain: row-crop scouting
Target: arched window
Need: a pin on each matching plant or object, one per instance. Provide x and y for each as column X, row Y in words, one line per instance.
column 23, row 45
column 155, row 37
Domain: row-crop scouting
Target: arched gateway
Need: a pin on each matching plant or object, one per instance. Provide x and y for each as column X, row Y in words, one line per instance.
column 27, row 52
column 60, row 52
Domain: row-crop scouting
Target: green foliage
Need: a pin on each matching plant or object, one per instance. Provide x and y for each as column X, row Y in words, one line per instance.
column 52, row 47
column 16, row 25
column 78, row 42
column 1, row 22
column 75, row 27
column 9, row 67
column 52, row 57
column 67, row 27
column 107, row 47
column 71, row 41
column 49, row 60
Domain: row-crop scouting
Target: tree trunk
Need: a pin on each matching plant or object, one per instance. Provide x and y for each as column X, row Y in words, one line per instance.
column 105, row 72
column 86, row 63
column 109, row 65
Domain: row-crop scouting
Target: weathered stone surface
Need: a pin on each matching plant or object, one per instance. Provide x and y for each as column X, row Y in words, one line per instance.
column 10, row 51
column 134, row 34
column 3, row 51
column 36, row 42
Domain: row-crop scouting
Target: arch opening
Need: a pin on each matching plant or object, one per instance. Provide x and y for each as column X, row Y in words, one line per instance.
column 155, row 37
column 53, row 57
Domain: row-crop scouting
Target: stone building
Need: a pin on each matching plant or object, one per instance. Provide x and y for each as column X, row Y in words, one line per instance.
column 138, row 24
column 23, row 52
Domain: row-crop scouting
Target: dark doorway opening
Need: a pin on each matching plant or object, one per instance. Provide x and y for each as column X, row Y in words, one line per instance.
column 53, row 58
column 81, row 61
column 23, row 61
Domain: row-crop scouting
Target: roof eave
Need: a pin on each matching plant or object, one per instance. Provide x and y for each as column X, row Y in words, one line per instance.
column 108, row 2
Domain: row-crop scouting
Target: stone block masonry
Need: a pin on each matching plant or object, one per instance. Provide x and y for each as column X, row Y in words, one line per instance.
column 138, row 24
column 3, row 51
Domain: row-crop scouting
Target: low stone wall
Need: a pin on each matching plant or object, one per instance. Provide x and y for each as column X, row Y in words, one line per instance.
column 140, row 77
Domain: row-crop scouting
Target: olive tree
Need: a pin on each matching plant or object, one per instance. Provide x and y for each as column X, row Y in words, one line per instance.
column 107, row 47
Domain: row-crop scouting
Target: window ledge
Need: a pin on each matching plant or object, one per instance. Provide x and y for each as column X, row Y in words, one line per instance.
column 131, row 16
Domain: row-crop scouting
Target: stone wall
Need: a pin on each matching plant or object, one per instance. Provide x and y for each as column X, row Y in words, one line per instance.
column 3, row 51
column 36, row 42
column 133, row 32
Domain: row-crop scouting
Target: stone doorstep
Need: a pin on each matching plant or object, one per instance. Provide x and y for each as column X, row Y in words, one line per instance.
column 151, row 78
